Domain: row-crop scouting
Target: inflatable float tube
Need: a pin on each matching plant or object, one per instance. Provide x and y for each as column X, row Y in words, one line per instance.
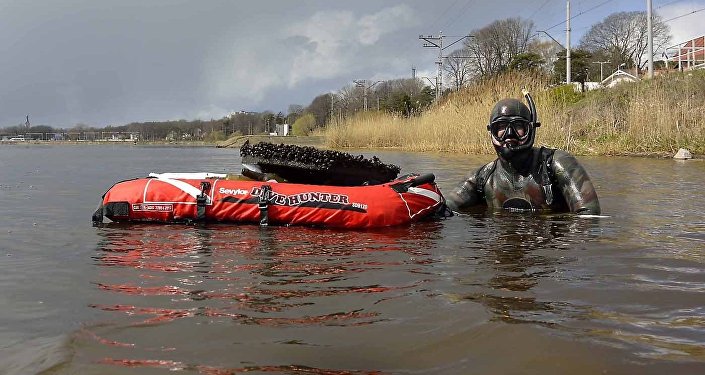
column 205, row 197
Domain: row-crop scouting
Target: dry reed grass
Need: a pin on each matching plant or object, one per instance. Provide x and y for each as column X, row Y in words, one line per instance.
column 651, row 117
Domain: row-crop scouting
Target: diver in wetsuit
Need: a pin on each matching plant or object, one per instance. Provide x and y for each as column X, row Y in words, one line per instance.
column 524, row 177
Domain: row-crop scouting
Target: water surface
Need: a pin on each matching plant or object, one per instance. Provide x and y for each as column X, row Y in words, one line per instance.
column 495, row 293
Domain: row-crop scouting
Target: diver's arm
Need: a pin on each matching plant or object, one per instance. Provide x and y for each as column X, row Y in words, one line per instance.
column 575, row 184
column 465, row 196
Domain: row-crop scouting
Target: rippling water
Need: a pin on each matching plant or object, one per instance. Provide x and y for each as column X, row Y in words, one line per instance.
column 495, row 293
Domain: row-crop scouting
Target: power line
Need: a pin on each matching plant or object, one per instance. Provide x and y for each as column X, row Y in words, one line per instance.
column 437, row 42
column 444, row 13
column 461, row 13
column 458, row 13
column 580, row 14
column 668, row 3
column 683, row 15
column 538, row 9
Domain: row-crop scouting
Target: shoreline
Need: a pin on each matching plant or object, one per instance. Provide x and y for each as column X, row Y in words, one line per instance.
column 313, row 141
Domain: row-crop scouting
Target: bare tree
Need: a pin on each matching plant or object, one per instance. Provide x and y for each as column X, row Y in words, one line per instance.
column 320, row 107
column 351, row 99
column 623, row 36
column 294, row 112
column 547, row 50
column 496, row 44
column 458, row 68
column 295, row 109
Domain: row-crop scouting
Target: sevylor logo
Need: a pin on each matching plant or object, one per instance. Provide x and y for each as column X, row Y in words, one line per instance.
column 226, row 191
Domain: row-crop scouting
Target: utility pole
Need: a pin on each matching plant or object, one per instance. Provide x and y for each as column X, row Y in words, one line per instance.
column 650, row 49
column 332, row 107
column 437, row 42
column 567, row 43
column 363, row 83
column 601, row 63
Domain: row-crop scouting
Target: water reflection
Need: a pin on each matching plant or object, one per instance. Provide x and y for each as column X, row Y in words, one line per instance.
column 176, row 279
column 519, row 252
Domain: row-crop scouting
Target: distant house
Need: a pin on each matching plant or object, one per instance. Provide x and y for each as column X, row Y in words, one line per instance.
column 587, row 86
column 619, row 76
column 687, row 55
column 283, row 129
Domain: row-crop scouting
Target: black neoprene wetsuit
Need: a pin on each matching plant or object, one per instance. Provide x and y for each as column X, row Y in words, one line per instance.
column 547, row 179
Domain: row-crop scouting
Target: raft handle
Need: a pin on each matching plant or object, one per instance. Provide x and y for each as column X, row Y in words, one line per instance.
column 423, row 179
column 263, row 204
column 403, row 187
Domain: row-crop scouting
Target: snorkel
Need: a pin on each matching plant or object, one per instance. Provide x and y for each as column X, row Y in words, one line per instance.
column 532, row 108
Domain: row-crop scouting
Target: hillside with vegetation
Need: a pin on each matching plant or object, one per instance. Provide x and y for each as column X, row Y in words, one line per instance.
column 649, row 117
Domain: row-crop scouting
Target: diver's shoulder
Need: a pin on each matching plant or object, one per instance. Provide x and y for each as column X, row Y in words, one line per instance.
column 559, row 154
column 488, row 165
column 564, row 160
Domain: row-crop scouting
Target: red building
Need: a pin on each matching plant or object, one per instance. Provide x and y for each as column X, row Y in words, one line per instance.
column 687, row 55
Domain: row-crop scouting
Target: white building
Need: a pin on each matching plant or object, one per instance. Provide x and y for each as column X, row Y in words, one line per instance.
column 283, row 129
column 619, row 76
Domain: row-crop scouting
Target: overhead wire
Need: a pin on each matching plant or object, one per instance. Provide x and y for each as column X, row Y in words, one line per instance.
column 461, row 13
column 580, row 14
column 668, row 3
column 442, row 15
column 463, row 8
column 684, row 15
column 539, row 9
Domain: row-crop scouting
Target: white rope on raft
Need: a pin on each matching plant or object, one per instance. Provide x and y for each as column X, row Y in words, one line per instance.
column 187, row 175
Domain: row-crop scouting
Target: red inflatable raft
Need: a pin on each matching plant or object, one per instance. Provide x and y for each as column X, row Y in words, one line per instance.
column 211, row 198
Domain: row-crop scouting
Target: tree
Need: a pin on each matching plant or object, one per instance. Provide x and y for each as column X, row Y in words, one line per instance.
column 280, row 119
column 623, row 36
column 496, row 44
column 580, row 66
column 458, row 68
column 41, row 129
column 304, row 124
column 526, row 61
column 320, row 108
column 269, row 121
column 404, row 96
column 294, row 112
column 547, row 50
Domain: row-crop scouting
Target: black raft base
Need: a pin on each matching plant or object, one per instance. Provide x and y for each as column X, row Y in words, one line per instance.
column 309, row 165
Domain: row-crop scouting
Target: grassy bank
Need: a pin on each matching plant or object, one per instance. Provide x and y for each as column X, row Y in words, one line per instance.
column 651, row 117
column 237, row 141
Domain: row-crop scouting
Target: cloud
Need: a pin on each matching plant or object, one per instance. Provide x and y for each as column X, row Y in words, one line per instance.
column 335, row 40
column 686, row 27
column 324, row 46
column 386, row 21
column 241, row 70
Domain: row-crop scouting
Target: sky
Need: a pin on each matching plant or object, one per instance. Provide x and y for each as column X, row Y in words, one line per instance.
column 112, row 62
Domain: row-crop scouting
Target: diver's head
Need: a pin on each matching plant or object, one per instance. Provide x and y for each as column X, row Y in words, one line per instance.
column 512, row 127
